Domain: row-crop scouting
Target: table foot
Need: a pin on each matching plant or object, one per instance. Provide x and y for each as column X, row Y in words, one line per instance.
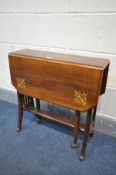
column 74, row 145
column 18, row 129
column 81, row 158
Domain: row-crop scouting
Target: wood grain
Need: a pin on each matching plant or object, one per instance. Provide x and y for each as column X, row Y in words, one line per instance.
column 57, row 80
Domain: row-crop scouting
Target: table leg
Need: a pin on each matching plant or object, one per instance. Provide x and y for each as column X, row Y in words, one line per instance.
column 76, row 129
column 30, row 100
column 38, row 107
column 93, row 119
column 86, row 134
column 20, row 111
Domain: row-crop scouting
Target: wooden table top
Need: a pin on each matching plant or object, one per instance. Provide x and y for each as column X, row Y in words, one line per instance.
column 62, row 57
column 69, row 80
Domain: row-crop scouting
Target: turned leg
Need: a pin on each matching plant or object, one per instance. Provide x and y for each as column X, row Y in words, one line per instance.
column 38, row 107
column 76, row 129
column 86, row 134
column 93, row 119
column 25, row 100
column 30, row 100
column 38, row 103
column 94, row 113
column 20, row 111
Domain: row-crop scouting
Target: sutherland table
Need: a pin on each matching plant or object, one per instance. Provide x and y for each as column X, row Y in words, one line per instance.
column 71, row 81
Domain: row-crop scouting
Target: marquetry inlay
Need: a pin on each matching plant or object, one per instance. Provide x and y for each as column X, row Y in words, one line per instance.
column 21, row 83
column 80, row 97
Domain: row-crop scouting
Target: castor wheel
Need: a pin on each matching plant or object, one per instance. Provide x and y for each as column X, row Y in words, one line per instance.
column 18, row 129
column 74, row 145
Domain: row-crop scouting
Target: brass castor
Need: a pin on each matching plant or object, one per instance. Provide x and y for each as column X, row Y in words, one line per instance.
column 18, row 129
column 74, row 145
column 81, row 158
